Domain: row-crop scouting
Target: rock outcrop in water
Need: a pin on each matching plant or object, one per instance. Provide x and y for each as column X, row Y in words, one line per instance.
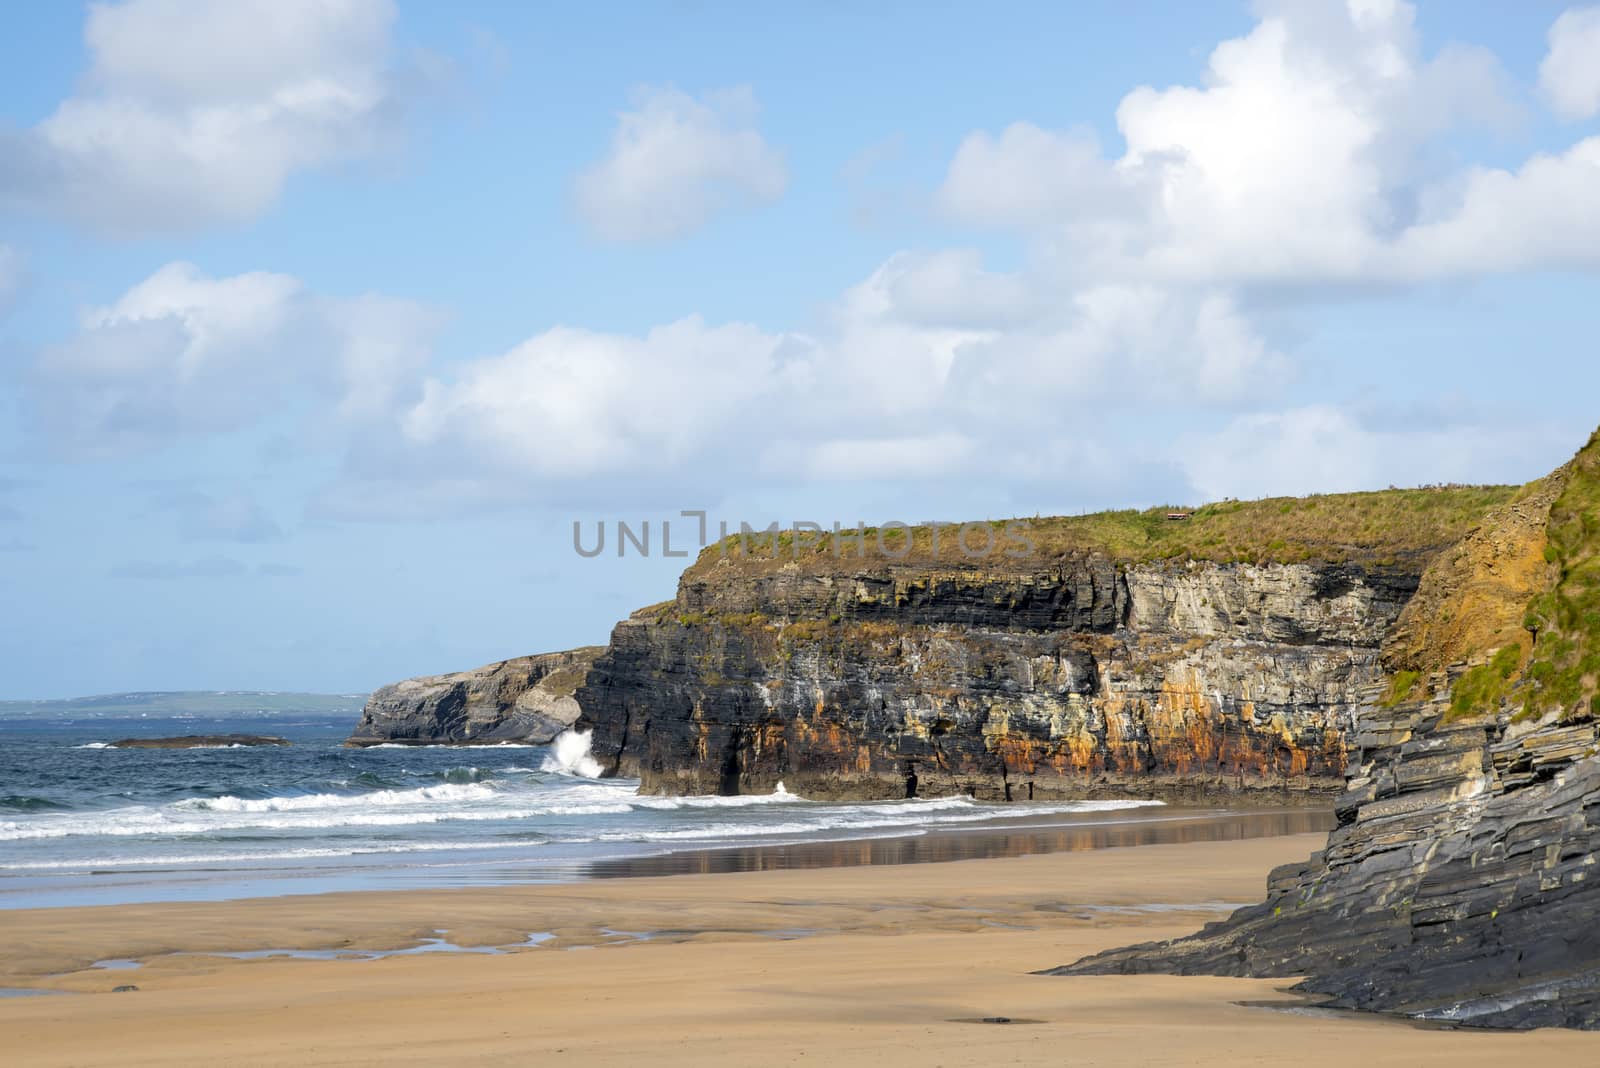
column 1461, row 883
column 1084, row 669
column 199, row 741
column 526, row 700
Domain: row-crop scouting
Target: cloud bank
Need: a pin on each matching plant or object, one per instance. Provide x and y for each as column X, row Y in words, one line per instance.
column 1317, row 153
column 195, row 113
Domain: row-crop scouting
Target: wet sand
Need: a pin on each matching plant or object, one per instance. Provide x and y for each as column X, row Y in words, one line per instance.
column 876, row 964
column 1074, row 833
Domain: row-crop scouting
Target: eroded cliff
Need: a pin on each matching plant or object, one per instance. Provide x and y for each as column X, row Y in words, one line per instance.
column 1461, row 883
column 528, row 699
column 1125, row 655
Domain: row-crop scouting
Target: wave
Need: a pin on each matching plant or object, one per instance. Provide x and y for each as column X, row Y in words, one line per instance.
column 27, row 803
column 443, row 803
column 570, row 755
column 779, row 796
column 453, row 745
column 186, row 748
column 449, row 791
column 145, row 822
column 562, row 802
column 464, row 775
column 224, row 857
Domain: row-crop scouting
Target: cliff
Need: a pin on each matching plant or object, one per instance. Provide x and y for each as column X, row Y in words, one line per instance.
column 1460, row 884
column 528, row 699
column 1119, row 654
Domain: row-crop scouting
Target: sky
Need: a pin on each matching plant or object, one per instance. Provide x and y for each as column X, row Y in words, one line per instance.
column 323, row 322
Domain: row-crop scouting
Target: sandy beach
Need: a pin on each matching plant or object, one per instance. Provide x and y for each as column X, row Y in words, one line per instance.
column 887, row 965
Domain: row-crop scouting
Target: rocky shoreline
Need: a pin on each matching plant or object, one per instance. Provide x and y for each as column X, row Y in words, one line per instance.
column 526, row 700
column 1461, row 883
column 1444, row 681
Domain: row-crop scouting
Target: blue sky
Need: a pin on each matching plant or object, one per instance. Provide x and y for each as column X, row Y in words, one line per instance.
column 321, row 323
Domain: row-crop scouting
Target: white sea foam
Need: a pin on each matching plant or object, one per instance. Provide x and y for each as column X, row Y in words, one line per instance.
column 512, row 802
column 824, row 819
column 442, row 803
column 451, row 745
column 226, row 857
column 570, row 755
column 780, row 796
column 445, row 792
column 94, row 745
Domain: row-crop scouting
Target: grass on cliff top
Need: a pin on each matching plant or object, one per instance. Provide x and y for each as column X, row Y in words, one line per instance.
column 1378, row 527
column 1564, row 668
column 1554, row 666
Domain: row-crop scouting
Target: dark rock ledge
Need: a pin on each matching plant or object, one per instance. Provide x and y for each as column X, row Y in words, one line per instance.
column 199, row 741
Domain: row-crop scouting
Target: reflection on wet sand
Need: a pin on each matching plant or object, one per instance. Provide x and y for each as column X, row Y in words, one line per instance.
column 1164, row 826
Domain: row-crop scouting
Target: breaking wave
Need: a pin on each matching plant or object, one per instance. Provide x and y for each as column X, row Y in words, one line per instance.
column 296, row 811
column 569, row 755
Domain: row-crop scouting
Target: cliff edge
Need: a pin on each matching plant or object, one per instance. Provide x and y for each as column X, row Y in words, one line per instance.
column 1181, row 655
column 1460, row 884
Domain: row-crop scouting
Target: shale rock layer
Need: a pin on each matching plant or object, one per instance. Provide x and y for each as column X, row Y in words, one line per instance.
column 1087, row 678
column 528, row 699
column 1461, row 883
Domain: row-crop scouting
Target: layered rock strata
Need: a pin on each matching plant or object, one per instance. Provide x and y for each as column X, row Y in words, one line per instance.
column 1461, row 883
column 529, row 699
column 1171, row 679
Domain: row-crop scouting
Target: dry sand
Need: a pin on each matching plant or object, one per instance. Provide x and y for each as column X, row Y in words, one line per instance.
column 871, row 965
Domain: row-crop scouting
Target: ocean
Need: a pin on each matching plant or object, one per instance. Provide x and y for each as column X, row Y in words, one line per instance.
column 81, row 823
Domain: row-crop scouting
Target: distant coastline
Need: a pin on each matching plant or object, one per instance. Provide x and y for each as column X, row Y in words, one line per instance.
column 185, row 702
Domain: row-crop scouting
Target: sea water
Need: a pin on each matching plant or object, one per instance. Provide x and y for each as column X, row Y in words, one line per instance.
column 84, row 823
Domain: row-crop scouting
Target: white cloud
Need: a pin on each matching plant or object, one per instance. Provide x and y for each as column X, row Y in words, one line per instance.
column 915, row 457
column 1546, row 214
column 195, row 112
column 1325, row 448
column 951, row 288
column 182, row 353
column 896, row 383
column 675, row 162
column 1570, row 73
column 1028, row 176
column 572, row 403
column 1309, row 155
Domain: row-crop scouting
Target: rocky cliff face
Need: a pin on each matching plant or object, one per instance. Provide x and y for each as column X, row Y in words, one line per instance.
column 1461, row 882
column 528, row 699
column 1082, row 678
column 1459, row 886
